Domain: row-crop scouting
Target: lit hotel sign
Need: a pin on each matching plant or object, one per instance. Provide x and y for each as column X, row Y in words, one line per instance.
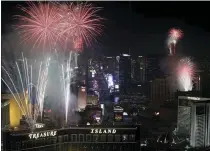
column 39, row 125
column 42, row 134
column 103, row 131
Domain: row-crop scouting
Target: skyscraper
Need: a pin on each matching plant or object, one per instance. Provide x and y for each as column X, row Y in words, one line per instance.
column 111, row 69
column 97, row 78
column 153, row 71
column 159, row 93
column 125, row 73
column 139, row 69
column 153, row 67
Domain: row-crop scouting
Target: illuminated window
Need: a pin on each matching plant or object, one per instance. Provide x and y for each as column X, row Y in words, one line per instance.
column 117, row 138
column 37, row 142
column 24, row 144
column 66, row 138
column 110, row 138
column 48, row 141
column 60, row 139
column 73, row 137
column 96, row 138
column 131, row 137
column 43, row 141
column 103, row 138
column 13, row 145
column 81, row 137
column 34, row 143
column 29, row 144
column 124, row 138
column 88, row 138
column 17, row 146
column 53, row 140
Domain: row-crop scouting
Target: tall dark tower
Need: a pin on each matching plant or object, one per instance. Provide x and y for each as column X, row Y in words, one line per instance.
column 125, row 73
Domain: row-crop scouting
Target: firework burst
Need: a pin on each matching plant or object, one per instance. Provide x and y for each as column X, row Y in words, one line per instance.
column 40, row 24
column 173, row 36
column 47, row 24
column 80, row 23
column 185, row 74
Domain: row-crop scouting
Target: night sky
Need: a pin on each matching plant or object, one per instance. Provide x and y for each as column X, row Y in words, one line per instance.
column 143, row 26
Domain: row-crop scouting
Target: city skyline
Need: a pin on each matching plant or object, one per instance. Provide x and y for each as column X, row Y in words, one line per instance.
column 105, row 76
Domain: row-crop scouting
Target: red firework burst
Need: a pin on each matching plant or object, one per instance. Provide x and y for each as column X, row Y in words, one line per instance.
column 49, row 23
column 80, row 22
column 39, row 25
column 175, row 33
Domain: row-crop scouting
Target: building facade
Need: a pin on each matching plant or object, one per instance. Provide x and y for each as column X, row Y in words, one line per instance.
column 153, row 67
column 139, row 69
column 194, row 120
column 75, row 138
column 11, row 112
column 159, row 91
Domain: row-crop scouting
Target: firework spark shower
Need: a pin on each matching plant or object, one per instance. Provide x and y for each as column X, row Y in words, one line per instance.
column 67, row 70
column 48, row 24
column 174, row 36
column 27, row 88
column 185, row 74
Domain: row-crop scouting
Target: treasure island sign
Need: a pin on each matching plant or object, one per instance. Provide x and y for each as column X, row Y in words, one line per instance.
column 54, row 133
column 103, row 131
column 42, row 134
